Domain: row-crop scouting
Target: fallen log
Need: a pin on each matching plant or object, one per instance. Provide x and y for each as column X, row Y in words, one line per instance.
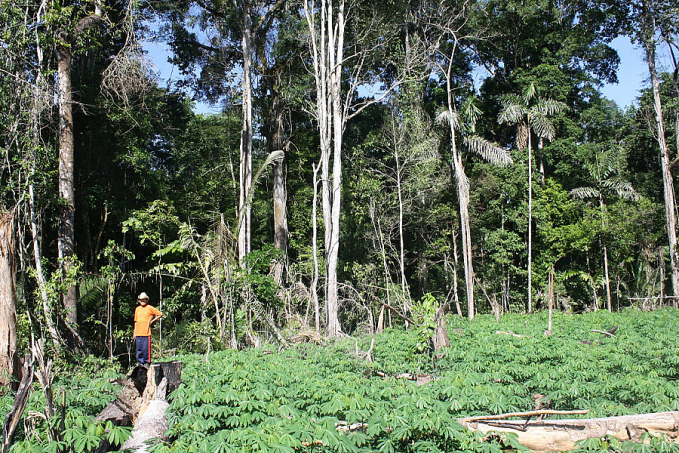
column 561, row 435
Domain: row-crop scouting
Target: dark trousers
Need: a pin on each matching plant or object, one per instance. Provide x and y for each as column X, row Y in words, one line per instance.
column 144, row 350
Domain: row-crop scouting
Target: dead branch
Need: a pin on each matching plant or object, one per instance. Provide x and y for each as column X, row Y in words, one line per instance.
column 398, row 313
column 501, row 332
column 603, row 332
column 14, row 416
column 521, row 414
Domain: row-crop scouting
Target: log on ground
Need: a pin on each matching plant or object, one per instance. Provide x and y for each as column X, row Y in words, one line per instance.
column 561, row 435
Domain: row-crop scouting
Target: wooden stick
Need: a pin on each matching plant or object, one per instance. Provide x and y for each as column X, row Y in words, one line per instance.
column 500, row 332
column 522, row 414
column 603, row 332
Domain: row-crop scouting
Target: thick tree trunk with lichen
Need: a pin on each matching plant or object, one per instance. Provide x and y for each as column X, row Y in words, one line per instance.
column 279, row 193
column 66, row 241
column 8, row 319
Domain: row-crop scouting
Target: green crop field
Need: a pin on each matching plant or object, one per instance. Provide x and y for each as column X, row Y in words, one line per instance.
column 261, row 400
column 294, row 400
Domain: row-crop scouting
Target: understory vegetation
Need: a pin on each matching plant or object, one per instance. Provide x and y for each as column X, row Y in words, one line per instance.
column 294, row 400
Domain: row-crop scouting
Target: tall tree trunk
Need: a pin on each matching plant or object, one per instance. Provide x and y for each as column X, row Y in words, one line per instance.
column 327, row 43
column 245, row 176
column 609, row 303
column 456, row 258
column 38, row 107
column 279, row 193
column 462, row 192
column 332, row 299
column 314, row 281
column 530, row 223
column 550, row 298
column 463, row 195
column 8, row 318
column 66, row 239
column 402, row 254
column 668, row 184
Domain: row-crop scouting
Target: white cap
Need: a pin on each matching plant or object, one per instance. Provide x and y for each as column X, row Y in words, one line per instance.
column 143, row 296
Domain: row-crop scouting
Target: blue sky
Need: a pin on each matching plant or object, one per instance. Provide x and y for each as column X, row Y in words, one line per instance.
column 632, row 73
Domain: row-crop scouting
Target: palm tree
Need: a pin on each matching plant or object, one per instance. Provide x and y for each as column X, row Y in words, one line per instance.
column 605, row 180
column 530, row 113
column 465, row 126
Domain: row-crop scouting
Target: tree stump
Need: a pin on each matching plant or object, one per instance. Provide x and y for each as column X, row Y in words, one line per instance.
column 139, row 390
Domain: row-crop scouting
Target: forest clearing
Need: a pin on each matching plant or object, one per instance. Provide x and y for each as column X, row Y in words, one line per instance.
column 326, row 398
column 338, row 225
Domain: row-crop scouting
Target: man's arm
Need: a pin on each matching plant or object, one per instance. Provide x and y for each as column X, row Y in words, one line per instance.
column 156, row 316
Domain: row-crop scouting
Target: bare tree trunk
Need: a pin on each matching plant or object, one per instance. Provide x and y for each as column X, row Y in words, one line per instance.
column 279, row 194
column 668, row 184
column 609, row 304
column 245, row 175
column 455, row 284
column 66, row 242
column 335, row 57
column 387, row 281
column 530, row 223
column 8, row 318
column 463, row 195
column 314, row 249
column 326, row 45
column 37, row 255
column 404, row 282
column 550, row 297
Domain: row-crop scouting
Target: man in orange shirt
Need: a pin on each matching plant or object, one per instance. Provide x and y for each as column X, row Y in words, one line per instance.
column 144, row 316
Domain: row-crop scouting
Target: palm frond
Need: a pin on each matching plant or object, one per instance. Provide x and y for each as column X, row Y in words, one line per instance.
column 550, row 107
column 529, row 93
column 542, row 126
column 490, row 151
column 445, row 117
column 471, row 112
column 92, row 289
column 512, row 111
column 621, row 187
column 585, row 192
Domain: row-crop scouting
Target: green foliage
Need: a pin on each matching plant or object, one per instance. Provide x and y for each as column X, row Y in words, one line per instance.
column 259, row 400
column 87, row 389
column 423, row 313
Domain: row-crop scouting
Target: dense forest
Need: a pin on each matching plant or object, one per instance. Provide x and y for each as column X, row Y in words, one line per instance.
column 374, row 164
